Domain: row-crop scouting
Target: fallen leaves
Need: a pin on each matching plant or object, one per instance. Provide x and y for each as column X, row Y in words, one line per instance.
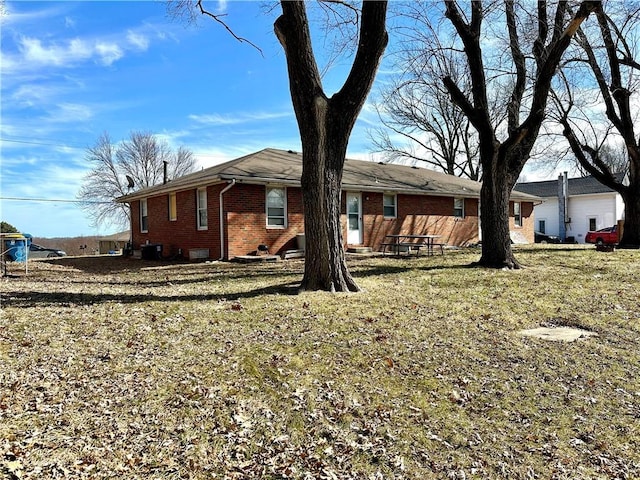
column 213, row 372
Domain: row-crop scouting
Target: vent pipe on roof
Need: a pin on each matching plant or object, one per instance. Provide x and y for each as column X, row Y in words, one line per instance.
column 228, row 187
column 563, row 204
column 164, row 172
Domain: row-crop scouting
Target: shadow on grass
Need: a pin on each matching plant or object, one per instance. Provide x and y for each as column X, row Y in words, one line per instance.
column 381, row 270
column 73, row 299
column 140, row 275
column 100, row 263
column 550, row 249
column 103, row 264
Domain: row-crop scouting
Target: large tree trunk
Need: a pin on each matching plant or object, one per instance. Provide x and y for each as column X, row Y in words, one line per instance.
column 325, row 265
column 631, row 233
column 494, row 217
column 325, row 126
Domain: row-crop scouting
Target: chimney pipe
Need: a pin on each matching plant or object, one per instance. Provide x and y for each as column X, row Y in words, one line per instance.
column 164, row 177
column 563, row 200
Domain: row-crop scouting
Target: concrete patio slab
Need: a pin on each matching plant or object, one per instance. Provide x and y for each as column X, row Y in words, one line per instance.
column 558, row 334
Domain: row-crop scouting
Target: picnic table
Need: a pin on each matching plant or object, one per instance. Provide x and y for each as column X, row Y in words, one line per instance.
column 410, row 242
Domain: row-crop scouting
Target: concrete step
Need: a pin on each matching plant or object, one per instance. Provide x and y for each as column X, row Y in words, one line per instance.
column 360, row 250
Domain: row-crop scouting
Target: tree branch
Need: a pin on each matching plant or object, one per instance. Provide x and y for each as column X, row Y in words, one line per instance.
column 218, row 18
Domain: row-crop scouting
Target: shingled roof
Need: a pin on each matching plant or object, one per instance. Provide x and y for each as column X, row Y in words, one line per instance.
column 285, row 168
column 576, row 186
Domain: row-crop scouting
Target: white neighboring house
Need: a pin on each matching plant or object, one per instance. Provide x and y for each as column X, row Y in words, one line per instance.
column 588, row 205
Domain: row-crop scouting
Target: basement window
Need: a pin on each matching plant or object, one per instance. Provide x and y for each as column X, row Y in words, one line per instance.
column 276, row 207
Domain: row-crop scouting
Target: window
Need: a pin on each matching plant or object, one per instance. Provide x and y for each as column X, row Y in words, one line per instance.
column 276, row 207
column 593, row 224
column 144, row 216
column 517, row 218
column 173, row 211
column 458, row 207
column 202, row 209
column 542, row 226
column 389, row 205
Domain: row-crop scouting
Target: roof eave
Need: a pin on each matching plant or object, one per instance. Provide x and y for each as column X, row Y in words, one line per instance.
column 166, row 188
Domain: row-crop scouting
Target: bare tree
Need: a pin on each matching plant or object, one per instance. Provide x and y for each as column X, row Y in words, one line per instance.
column 419, row 122
column 527, row 88
column 138, row 162
column 435, row 132
column 614, row 156
column 325, row 126
column 610, row 65
column 325, row 123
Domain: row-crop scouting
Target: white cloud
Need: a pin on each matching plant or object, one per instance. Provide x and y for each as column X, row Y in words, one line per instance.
column 71, row 112
column 137, row 40
column 35, row 53
column 216, row 119
column 12, row 17
column 222, row 6
column 32, row 94
column 71, row 52
column 109, row 52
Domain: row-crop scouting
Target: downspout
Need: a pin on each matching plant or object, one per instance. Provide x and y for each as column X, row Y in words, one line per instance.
column 225, row 189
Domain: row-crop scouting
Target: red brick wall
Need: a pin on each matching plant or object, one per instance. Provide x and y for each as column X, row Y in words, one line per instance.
column 435, row 217
column 245, row 221
column 528, row 224
column 183, row 233
column 246, row 218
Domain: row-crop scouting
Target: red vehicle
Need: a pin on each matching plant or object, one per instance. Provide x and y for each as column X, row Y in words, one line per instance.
column 604, row 236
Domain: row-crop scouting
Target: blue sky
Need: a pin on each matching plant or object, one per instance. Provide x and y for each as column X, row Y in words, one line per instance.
column 73, row 70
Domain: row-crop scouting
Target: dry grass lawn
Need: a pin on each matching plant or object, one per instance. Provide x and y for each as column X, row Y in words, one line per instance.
column 119, row 368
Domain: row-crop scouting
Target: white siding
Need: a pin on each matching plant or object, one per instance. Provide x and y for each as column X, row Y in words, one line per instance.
column 547, row 211
column 602, row 207
column 606, row 208
column 619, row 207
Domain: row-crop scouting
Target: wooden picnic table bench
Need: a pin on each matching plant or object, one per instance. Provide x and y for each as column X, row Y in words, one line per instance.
column 410, row 242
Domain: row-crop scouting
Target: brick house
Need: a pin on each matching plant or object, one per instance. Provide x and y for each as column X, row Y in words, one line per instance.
column 230, row 209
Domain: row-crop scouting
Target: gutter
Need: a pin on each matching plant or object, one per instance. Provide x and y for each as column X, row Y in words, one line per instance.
column 225, row 189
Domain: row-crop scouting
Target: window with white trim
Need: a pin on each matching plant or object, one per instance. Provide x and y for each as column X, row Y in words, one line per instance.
column 202, row 209
column 276, row 207
column 389, row 205
column 144, row 216
column 458, row 207
column 173, row 210
column 517, row 217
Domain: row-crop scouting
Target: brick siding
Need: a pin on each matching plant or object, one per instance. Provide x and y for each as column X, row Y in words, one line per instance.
column 245, row 221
